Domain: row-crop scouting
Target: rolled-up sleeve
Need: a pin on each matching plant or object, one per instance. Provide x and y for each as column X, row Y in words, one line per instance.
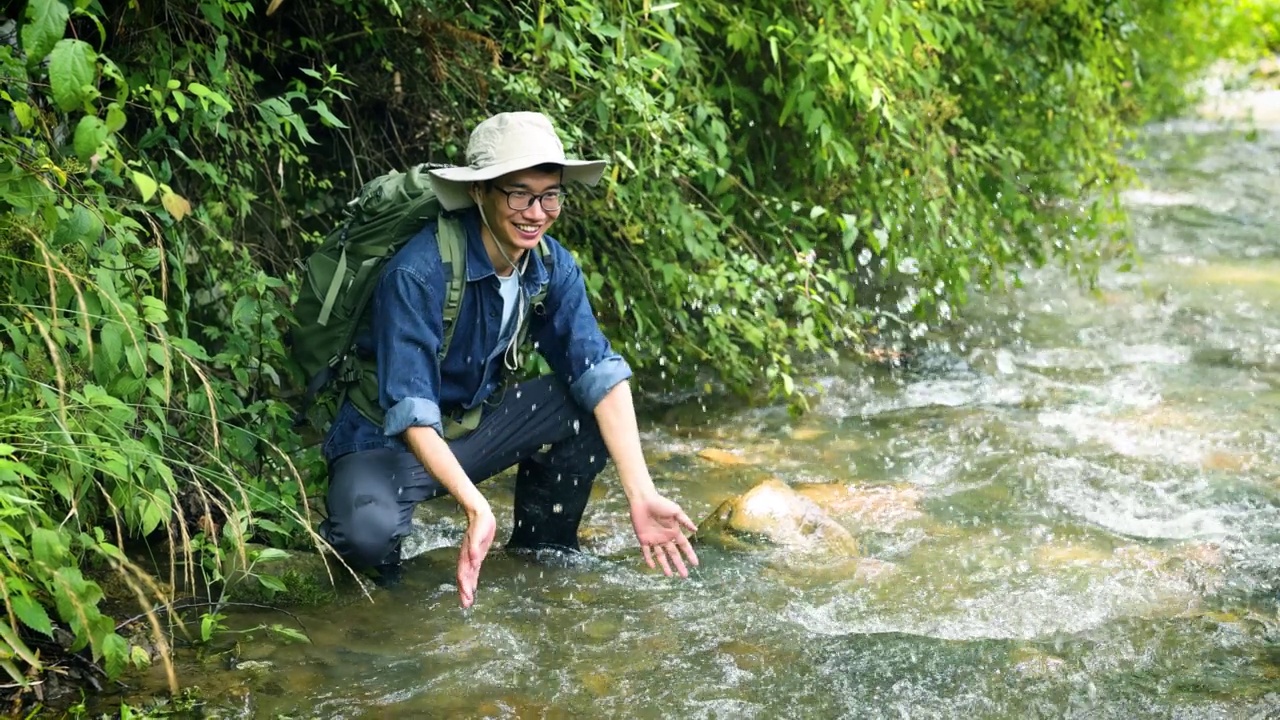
column 569, row 337
column 408, row 328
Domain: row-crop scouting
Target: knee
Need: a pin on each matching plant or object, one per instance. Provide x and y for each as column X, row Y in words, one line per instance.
column 365, row 536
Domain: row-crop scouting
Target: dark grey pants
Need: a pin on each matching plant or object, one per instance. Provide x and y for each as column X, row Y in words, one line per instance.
column 372, row 493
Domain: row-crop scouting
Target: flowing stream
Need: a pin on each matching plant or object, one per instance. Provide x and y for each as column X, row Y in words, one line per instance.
column 1070, row 509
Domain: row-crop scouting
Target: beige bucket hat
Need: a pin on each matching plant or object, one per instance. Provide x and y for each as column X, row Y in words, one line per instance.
column 505, row 143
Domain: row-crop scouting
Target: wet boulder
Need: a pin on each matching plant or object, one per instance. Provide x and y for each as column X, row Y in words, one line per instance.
column 880, row 508
column 772, row 514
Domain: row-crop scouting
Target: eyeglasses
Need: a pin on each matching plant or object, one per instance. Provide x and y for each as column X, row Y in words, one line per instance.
column 523, row 199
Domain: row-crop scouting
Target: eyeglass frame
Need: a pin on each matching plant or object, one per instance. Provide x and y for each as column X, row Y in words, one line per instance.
column 539, row 198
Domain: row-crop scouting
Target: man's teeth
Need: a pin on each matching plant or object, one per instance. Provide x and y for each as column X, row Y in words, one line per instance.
column 527, row 228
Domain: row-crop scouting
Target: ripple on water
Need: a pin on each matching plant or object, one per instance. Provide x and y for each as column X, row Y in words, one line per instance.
column 1132, row 505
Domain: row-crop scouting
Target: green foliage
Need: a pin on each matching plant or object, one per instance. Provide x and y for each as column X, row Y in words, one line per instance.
column 139, row 343
column 786, row 181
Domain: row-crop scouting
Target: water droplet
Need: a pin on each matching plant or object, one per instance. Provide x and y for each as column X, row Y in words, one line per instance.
column 557, row 508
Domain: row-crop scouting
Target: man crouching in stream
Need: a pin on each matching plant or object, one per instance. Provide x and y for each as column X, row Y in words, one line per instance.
column 506, row 198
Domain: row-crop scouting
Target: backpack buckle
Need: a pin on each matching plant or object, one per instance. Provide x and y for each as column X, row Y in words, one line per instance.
column 347, row 369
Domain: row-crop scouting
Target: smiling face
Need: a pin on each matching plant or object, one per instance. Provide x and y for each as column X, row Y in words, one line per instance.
column 513, row 232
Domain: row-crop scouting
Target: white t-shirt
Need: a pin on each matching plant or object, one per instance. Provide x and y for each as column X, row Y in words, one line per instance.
column 509, row 288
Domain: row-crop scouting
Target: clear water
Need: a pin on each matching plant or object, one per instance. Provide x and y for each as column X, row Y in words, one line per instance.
column 1080, row 519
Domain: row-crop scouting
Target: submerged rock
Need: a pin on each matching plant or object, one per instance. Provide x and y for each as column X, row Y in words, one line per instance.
column 724, row 458
column 774, row 514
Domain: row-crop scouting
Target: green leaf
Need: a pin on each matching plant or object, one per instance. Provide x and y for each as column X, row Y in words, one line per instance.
column 90, row 134
column 22, row 112
column 157, row 389
column 71, row 70
column 115, row 654
column 300, row 127
column 190, row 348
column 159, row 353
column 290, row 633
column 81, row 226
column 849, row 233
column 133, row 356
column 115, row 118
column 205, row 93
column 146, row 186
column 111, row 340
column 325, row 114
column 46, row 546
column 153, row 514
column 16, row 675
column 32, row 614
column 46, row 22
column 16, row 646
column 273, row 583
column 269, row 554
column 154, row 310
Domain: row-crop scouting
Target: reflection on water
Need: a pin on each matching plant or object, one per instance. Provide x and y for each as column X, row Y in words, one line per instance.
column 1068, row 511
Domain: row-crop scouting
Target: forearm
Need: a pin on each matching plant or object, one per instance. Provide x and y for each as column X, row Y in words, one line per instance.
column 434, row 454
column 616, row 416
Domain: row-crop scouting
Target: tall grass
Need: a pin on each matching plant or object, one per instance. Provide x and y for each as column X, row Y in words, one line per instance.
column 89, row 470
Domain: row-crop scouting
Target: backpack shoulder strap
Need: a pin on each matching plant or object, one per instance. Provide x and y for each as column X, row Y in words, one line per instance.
column 452, row 240
column 548, row 261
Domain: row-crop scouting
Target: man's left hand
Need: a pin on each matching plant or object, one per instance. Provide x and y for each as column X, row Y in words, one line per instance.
column 658, row 523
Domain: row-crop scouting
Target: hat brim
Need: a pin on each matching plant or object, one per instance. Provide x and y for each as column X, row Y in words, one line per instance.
column 452, row 183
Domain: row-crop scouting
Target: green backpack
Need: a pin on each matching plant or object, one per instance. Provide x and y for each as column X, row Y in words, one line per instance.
column 340, row 276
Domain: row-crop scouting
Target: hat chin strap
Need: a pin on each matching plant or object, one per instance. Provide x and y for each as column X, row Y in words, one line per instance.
column 510, row 357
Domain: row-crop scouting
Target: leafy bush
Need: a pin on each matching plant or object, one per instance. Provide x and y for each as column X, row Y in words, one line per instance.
column 786, row 181
column 137, row 338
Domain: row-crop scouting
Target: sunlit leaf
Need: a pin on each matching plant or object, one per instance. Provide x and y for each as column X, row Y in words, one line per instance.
column 22, row 111
column 71, row 73
column 146, row 186
column 46, row 23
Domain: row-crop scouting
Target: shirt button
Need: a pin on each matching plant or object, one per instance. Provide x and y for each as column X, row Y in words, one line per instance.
column 493, row 313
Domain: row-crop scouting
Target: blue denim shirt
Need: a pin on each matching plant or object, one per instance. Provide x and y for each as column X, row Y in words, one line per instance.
column 407, row 327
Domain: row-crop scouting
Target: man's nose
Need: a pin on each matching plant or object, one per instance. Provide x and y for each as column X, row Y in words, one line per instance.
column 535, row 211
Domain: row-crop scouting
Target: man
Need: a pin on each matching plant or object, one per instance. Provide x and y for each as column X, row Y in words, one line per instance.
column 507, row 197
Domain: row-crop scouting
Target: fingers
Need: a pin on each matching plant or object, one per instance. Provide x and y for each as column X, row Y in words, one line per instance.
column 662, row 560
column 687, row 548
column 674, row 552
column 648, row 555
column 468, row 574
column 686, row 523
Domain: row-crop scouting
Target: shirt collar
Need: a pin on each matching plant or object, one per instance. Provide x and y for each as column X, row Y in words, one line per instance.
column 480, row 267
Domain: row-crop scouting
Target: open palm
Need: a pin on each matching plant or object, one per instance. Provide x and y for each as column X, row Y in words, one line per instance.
column 659, row 525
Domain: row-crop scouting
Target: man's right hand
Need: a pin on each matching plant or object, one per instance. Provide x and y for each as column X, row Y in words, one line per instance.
column 475, row 545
